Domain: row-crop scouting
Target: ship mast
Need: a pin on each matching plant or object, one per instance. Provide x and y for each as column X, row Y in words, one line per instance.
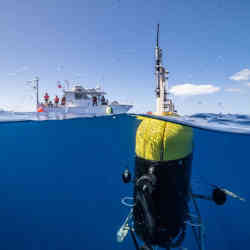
column 36, row 80
column 163, row 103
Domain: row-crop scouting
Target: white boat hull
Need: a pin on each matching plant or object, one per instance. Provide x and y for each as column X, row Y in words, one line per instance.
column 92, row 110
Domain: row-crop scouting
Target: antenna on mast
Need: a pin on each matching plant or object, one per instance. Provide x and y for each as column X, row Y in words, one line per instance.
column 157, row 62
column 36, row 80
column 157, row 37
column 163, row 103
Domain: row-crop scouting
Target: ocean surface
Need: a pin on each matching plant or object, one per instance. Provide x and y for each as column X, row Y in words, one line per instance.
column 61, row 186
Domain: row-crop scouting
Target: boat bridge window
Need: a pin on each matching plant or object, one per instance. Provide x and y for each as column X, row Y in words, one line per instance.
column 80, row 95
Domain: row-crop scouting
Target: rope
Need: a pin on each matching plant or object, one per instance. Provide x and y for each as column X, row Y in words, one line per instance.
column 127, row 204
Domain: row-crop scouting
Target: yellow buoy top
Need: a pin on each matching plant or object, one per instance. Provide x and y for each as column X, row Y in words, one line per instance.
column 163, row 141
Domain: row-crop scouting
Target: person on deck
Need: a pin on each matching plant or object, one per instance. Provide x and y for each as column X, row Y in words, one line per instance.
column 63, row 101
column 56, row 100
column 94, row 101
column 46, row 98
column 103, row 100
column 50, row 104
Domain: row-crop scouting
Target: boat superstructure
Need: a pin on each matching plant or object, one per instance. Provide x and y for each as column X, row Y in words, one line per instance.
column 81, row 100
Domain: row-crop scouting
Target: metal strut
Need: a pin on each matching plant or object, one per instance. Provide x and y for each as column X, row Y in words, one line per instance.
column 198, row 233
column 134, row 239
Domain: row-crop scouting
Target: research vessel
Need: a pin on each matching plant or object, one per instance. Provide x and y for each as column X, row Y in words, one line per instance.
column 89, row 101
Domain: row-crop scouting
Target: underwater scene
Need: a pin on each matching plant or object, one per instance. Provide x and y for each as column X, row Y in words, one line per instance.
column 61, row 181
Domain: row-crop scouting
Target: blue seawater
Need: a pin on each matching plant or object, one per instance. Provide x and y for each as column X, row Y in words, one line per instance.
column 60, row 182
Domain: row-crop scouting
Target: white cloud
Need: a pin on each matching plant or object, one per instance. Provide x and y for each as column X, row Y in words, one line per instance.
column 12, row 74
column 22, row 69
column 192, row 89
column 59, row 68
column 219, row 59
column 18, row 71
column 233, row 90
column 243, row 75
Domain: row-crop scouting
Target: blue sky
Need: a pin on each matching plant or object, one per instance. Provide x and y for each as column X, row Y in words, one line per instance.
column 111, row 43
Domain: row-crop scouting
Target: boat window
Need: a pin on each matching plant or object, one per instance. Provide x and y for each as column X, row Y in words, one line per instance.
column 78, row 95
column 85, row 97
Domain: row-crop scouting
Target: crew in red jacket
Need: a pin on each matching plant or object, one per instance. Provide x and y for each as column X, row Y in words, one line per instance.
column 56, row 100
column 46, row 98
column 63, row 101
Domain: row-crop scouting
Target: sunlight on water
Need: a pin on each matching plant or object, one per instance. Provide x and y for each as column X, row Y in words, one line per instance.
column 235, row 123
column 231, row 123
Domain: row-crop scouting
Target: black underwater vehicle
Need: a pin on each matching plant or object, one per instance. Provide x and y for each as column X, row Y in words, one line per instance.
column 163, row 204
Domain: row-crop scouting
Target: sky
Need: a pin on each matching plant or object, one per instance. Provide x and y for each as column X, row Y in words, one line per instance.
column 111, row 43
